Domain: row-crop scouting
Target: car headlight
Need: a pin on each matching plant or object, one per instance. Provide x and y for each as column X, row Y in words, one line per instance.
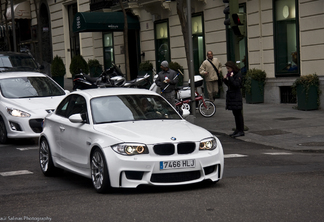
column 208, row 144
column 130, row 149
column 17, row 112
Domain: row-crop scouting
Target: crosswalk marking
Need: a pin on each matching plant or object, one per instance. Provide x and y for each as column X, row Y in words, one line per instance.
column 234, row 155
column 15, row 173
column 27, row 148
column 279, row 153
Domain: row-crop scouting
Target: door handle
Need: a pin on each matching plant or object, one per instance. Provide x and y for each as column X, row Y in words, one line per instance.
column 62, row 129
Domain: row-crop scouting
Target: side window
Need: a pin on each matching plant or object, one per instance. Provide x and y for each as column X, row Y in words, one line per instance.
column 76, row 105
column 62, row 107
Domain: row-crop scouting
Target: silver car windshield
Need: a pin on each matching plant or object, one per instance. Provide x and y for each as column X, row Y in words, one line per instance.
column 18, row 63
column 131, row 108
column 27, row 87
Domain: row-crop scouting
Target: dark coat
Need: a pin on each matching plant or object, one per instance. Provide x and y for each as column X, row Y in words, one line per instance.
column 171, row 74
column 233, row 94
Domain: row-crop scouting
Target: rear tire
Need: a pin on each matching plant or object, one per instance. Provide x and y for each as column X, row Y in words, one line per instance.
column 207, row 111
column 99, row 172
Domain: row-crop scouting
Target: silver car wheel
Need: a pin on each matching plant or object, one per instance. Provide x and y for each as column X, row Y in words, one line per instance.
column 99, row 172
column 45, row 159
column 44, row 155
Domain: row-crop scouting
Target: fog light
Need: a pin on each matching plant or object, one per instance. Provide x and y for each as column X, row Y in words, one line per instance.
column 15, row 126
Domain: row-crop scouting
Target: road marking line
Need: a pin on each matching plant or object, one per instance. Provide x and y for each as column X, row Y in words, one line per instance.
column 278, row 153
column 15, row 173
column 27, row 148
column 234, row 155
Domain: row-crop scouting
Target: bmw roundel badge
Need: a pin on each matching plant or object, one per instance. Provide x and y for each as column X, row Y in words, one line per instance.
column 173, row 138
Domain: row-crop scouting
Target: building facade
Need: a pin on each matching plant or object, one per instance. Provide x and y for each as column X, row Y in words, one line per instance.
column 285, row 38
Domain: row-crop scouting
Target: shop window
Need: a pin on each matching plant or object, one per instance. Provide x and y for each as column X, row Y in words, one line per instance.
column 286, row 41
column 108, row 50
column 162, row 43
column 198, row 41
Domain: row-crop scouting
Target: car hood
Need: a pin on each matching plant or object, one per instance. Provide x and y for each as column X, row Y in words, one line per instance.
column 34, row 105
column 154, row 131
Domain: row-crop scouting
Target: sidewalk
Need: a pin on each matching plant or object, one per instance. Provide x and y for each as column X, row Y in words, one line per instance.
column 277, row 125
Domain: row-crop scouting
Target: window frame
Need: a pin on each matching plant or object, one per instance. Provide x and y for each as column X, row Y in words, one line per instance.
column 278, row 46
column 158, row 63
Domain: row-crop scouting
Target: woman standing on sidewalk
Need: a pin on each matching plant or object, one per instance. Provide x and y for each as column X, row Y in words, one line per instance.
column 233, row 80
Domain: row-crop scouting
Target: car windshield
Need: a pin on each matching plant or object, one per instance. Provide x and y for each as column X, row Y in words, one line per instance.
column 131, row 108
column 26, row 87
column 21, row 62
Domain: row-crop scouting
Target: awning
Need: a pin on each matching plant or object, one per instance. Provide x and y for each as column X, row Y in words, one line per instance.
column 102, row 21
column 21, row 11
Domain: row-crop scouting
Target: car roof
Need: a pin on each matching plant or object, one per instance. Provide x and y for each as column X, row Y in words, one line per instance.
column 112, row 91
column 6, row 75
column 13, row 53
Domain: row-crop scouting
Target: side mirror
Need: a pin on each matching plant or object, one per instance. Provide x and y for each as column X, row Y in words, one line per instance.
column 76, row 118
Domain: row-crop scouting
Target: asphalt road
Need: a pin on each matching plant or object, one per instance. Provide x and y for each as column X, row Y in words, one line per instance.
column 259, row 184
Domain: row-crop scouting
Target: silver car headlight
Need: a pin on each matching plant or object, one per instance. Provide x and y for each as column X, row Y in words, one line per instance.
column 208, row 144
column 17, row 112
column 130, row 148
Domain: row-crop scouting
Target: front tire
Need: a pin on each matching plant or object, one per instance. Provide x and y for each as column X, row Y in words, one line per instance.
column 99, row 172
column 3, row 132
column 45, row 159
column 207, row 111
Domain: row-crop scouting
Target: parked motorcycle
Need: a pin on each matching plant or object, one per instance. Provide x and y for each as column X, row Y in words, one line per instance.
column 112, row 77
column 84, row 81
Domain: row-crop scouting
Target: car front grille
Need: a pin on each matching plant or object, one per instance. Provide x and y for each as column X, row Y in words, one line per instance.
column 164, row 149
column 169, row 148
column 186, row 148
column 36, row 125
column 175, row 177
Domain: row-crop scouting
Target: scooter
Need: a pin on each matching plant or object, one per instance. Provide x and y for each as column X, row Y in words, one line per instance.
column 84, row 81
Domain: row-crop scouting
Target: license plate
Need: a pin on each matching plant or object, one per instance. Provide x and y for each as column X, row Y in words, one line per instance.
column 177, row 164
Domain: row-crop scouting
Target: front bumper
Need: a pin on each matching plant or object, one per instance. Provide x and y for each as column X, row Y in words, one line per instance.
column 24, row 127
column 132, row 171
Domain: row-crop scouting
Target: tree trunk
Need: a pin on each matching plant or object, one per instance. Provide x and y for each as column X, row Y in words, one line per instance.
column 126, row 41
column 38, row 50
column 6, row 22
column 181, row 4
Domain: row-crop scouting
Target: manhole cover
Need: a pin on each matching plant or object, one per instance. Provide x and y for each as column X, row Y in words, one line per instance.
column 312, row 144
column 272, row 132
column 287, row 118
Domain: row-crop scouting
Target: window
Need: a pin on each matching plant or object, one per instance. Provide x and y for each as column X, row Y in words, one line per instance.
column 162, row 48
column 72, row 105
column 286, row 39
column 198, row 41
column 238, row 45
column 108, row 50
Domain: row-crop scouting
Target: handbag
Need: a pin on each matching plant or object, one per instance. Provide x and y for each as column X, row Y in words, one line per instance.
column 220, row 80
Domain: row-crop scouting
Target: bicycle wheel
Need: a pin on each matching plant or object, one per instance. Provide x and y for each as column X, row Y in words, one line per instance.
column 207, row 111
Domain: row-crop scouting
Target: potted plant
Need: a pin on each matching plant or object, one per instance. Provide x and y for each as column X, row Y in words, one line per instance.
column 95, row 67
column 176, row 66
column 307, row 90
column 254, row 85
column 146, row 67
column 58, row 70
column 78, row 64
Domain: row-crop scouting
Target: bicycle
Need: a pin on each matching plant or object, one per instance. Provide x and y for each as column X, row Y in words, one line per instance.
column 205, row 107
